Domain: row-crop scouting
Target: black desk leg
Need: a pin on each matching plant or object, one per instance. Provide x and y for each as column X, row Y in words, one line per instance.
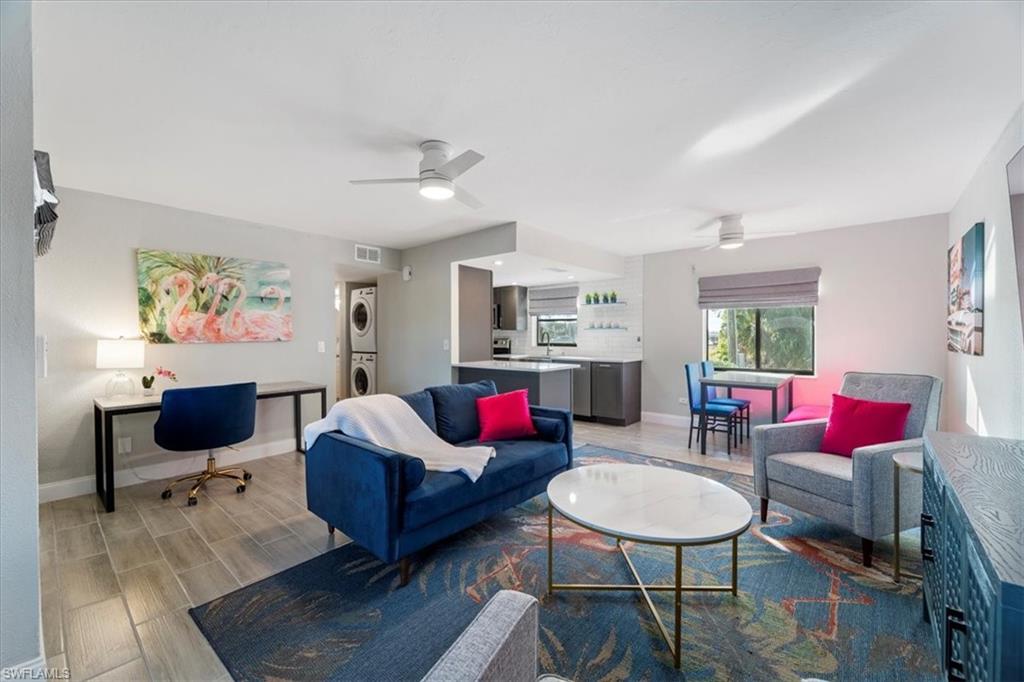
column 775, row 406
column 297, row 410
column 108, row 461
column 323, row 403
column 703, row 420
column 790, row 398
column 97, row 430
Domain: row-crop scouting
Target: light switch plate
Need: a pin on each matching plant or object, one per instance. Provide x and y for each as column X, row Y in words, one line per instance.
column 321, row 347
column 446, row 345
column 124, row 445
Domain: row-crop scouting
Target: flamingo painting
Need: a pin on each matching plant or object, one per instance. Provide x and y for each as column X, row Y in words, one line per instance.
column 195, row 298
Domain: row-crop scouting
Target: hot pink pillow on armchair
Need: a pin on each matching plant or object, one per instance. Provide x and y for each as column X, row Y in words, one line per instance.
column 854, row 423
column 505, row 416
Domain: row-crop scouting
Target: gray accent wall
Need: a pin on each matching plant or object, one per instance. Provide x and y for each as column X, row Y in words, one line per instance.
column 86, row 289
column 19, row 520
column 475, row 301
column 415, row 316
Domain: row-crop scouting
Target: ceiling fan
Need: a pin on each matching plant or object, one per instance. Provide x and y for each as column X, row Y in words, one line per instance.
column 438, row 170
column 731, row 233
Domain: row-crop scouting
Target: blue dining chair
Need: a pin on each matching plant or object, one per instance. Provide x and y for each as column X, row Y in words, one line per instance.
column 708, row 369
column 721, row 418
column 205, row 418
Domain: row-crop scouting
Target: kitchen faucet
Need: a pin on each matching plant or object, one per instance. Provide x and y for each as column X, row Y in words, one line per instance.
column 546, row 335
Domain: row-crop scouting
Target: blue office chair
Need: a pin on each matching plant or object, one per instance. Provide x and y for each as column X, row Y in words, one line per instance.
column 721, row 418
column 203, row 419
column 708, row 369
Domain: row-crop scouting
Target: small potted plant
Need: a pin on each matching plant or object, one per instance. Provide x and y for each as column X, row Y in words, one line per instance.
column 604, row 298
column 148, row 381
column 589, row 300
column 597, row 298
column 614, row 297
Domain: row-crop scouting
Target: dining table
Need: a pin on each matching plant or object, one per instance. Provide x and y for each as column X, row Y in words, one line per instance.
column 756, row 381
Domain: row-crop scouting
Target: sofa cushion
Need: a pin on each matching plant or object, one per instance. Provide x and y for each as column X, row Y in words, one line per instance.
column 422, row 403
column 854, row 423
column 819, row 473
column 516, row 463
column 549, row 429
column 505, row 416
column 455, row 409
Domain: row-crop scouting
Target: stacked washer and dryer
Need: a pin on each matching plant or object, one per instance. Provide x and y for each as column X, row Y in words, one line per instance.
column 362, row 325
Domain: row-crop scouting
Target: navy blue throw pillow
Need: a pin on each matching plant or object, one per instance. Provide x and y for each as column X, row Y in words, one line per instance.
column 422, row 404
column 455, row 409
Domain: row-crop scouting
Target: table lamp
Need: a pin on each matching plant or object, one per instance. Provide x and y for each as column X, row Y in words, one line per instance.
column 120, row 354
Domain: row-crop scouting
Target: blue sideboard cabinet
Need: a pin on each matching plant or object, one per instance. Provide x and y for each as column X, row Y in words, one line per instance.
column 972, row 547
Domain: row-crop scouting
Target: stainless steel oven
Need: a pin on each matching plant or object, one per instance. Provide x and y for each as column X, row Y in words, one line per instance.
column 501, row 346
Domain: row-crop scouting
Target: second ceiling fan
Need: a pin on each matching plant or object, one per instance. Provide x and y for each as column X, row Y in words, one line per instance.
column 438, row 171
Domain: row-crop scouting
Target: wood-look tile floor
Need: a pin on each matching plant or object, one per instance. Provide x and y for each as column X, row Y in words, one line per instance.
column 116, row 587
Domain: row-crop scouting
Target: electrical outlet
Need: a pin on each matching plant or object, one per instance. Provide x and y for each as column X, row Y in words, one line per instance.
column 321, row 347
column 682, row 401
column 124, row 445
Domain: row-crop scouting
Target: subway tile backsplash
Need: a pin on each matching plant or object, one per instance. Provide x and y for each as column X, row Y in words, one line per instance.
column 604, row 330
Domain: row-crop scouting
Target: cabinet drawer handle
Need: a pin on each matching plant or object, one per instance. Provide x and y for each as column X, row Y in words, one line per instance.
column 605, row 366
column 927, row 521
column 954, row 621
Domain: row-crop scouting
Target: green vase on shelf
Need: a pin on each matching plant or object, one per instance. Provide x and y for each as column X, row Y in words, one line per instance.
column 614, row 297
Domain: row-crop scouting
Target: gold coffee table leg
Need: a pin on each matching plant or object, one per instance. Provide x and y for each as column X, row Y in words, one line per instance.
column 674, row 640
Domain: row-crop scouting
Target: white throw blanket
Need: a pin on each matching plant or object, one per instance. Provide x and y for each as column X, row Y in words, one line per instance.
column 388, row 422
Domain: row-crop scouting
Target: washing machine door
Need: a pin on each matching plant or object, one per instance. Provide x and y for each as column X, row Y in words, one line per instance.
column 361, row 317
column 361, row 382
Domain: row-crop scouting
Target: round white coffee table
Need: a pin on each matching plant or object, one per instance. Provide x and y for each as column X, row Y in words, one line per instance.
column 650, row 505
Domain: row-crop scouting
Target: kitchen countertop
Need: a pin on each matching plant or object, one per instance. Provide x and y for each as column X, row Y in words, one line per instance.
column 577, row 358
column 516, row 366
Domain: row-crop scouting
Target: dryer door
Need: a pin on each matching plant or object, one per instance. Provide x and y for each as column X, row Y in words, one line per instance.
column 361, row 317
column 361, row 384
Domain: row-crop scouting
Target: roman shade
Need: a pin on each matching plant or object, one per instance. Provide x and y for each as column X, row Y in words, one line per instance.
column 775, row 289
column 554, row 301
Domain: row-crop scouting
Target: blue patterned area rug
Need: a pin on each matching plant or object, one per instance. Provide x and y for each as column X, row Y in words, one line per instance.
column 806, row 607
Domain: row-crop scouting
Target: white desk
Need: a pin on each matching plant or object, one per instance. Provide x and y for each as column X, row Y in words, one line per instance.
column 105, row 409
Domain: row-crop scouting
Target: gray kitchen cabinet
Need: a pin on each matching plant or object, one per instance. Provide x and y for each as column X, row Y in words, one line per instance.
column 580, row 387
column 615, row 392
column 509, row 311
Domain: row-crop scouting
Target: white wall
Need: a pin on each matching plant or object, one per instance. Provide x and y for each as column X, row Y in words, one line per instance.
column 86, row 289
column 881, row 305
column 985, row 394
column 416, row 316
column 621, row 343
column 19, row 520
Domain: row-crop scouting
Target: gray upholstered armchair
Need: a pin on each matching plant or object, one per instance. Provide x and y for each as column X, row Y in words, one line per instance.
column 852, row 492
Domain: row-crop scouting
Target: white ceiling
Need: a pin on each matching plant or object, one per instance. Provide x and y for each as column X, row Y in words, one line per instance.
column 621, row 124
column 529, row 270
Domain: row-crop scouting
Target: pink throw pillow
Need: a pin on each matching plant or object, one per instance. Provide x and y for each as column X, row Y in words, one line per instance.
column 854, row 423
column 505, row 416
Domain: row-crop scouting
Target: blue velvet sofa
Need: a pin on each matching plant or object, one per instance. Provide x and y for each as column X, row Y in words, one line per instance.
column 388, row 503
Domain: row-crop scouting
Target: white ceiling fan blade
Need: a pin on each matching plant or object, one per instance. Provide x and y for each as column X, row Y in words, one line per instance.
column 384, row 181
column 453, row 168
column 467, row 198
column 762, row 235
column 710, row 222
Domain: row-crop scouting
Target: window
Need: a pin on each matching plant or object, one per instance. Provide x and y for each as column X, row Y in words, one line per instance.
column 765, row 339
column 561, row 329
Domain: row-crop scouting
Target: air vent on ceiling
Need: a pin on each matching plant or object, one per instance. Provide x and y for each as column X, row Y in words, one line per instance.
column 367, row 254
column 553, row 269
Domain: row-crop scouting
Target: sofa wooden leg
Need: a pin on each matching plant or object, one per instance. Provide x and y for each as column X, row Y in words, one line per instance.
column 866, row 548
column 404, row 568
column 764, row 509
column 330, row 529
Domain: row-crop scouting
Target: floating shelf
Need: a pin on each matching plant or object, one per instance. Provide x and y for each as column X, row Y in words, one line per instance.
column 602, row 305
column 605, row 329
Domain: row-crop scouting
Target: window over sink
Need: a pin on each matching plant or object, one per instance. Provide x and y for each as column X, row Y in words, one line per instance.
column 763, row 339
column 561, row 329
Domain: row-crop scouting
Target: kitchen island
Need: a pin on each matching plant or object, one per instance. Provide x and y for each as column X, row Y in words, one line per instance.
column 549, row 384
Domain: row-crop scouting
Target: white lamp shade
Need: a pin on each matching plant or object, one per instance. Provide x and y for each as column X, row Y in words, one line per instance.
column 120, row 354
